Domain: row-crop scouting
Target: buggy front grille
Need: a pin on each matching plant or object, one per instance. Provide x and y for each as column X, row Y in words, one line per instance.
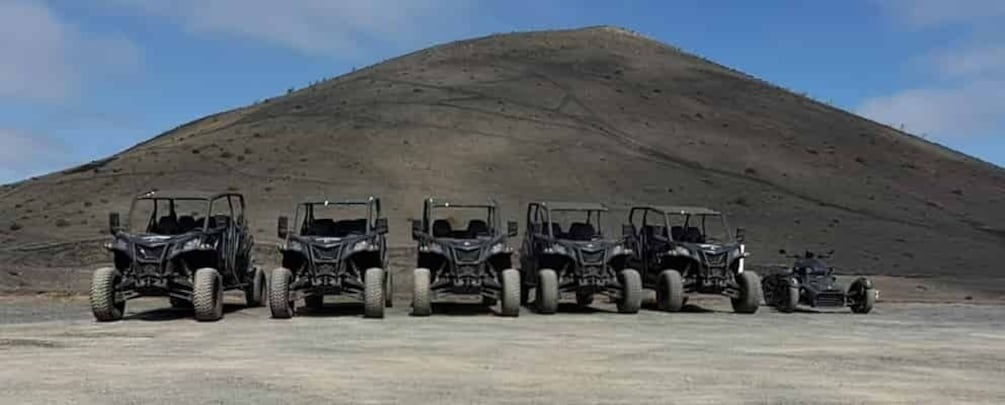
column 715, row 259
column 596, row 256
column 326, row 254
column 150, row 253
column 471, row 255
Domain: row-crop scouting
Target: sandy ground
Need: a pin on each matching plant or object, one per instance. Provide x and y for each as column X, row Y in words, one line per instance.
column 52, row 352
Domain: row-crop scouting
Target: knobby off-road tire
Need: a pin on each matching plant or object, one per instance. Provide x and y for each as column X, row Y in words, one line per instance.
column 373, row 293
column 865, row 295
column 670, row 291
column 254, row 292
column 546, row 293
column 631, row 291
column 750, row 293
column 790, row 298
column 106, row 304
column 207, row 295
column 510, row 296
column 389, row 291
column 280, row 297
column 422, row 304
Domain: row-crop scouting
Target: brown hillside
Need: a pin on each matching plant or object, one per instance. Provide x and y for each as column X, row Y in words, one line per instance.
column 591, row 114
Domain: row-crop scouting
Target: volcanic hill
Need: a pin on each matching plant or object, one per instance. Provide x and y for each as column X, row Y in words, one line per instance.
column 588, row 114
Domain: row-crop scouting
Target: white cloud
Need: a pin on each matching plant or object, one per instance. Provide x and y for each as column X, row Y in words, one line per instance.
column 313, row 26
column 974, row 109
column 47, row 59
column 982, row 61
column 929, row 13
column 23, row 153
column 962, row 95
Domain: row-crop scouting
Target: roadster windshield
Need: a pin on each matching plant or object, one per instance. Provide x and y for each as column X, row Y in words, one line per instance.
column 332, row 219
column 167, row 216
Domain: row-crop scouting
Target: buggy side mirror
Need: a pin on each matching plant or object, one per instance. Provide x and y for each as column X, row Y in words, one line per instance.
column 512, row 229
column 416, row 229
column 114, row 224
column 741, row 234
column 628, row 230
column 283, row 228
column 381, row 226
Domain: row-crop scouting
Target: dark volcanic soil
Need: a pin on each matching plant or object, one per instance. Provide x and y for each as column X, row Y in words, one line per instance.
column 592, row 114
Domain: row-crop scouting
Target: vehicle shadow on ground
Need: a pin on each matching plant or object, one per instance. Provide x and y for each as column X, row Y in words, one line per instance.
column 337, row 309
column 686, row 309
column 570, row 308
column 172, row 314
column 462, row 309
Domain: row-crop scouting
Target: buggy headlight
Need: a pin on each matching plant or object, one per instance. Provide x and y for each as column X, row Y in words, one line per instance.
column 620, row 250
column 556, row 249
column 361, row 245
column 117, row 244
column 196, row 244
column 497, row 248
column 679, row 251
column 431, row 247
column 294, row 246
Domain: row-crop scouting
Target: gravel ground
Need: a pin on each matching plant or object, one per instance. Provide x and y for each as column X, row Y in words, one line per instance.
column 53, row 353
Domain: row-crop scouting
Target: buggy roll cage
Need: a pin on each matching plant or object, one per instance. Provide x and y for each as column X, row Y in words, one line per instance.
column 688, row 213
column 372, row 211
column 210, row 200
column 543, row 209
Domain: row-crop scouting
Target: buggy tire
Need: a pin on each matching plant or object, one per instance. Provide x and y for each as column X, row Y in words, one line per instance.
column 546, row 293
column 790, row 300
column 389, row 290
column 105, row 298
column 584, row 300
column 254, row 292
column 510, row 295
column 750, row 293
column 422, row 304
column 179, row 303
column 373, row 293
column 866, row 295
column 281, row 302
column 670, row 291
column 207, row 295
column 631, row 291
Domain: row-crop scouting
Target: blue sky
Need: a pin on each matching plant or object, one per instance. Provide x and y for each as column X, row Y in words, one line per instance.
column 82, row 80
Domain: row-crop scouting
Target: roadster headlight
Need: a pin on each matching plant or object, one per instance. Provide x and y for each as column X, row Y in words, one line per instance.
column 361, row 245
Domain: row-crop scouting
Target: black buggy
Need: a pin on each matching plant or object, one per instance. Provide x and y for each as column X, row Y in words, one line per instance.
column 811, row 282
column 565, row 251
column 690, row 250
column 337, row 248
column 471, row 261
column 187, row 247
